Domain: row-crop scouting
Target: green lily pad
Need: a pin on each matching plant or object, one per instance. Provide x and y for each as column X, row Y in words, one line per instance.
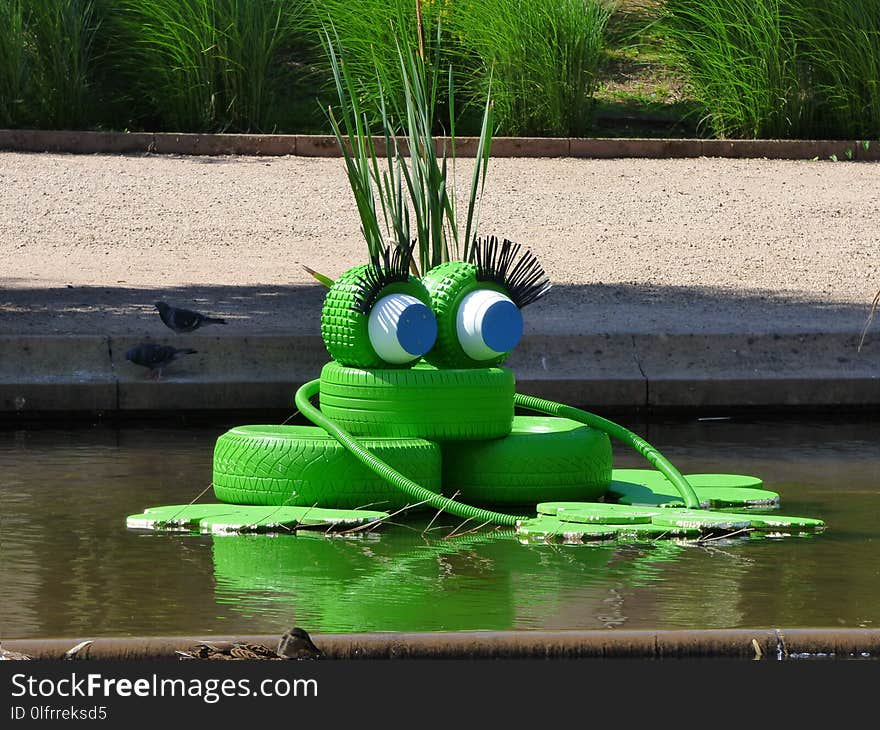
column 176, row 516
column 223, row 518
column 551, row 508
column 597, row 513
column 709, row 520
column 702, row 519
column 648, row 487
column 782, row 522
column 633, row 521
column 654, row 478
column 653, row 532
column 544, row 527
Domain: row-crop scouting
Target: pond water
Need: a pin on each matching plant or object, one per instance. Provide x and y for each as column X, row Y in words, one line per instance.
column 70, row 567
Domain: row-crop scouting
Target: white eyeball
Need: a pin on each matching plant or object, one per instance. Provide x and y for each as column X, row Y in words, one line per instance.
column 488, row 324
column 401, row 328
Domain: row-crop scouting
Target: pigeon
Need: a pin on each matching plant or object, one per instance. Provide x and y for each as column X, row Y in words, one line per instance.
column 155, row 357
column 297, row 644
column 184, row 320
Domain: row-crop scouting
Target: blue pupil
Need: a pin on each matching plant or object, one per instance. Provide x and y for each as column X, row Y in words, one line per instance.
column 502, row 326
column 417, row 329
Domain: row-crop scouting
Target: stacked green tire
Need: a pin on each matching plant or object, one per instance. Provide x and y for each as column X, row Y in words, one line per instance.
column 304, row 466
column 542, row 456
column 451, row 429
column 421, row 402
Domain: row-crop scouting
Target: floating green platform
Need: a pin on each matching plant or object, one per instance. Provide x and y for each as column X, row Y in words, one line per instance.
column 648, row 507
column 646, row 510
column 235, row 518
column 651, row 488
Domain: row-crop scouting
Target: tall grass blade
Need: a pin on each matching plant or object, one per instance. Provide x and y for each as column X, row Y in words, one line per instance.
column 408, row 196
column 370, row 31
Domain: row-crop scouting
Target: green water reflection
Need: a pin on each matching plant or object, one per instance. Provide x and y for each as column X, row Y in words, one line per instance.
column 396, row 582
column 472, row 582
column 70, row 567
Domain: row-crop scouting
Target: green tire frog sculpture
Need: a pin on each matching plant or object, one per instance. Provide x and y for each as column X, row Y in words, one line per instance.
column 417, row 411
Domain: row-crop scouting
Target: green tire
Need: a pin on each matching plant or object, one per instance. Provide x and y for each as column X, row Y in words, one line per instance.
column 345, row 329
column 304, row 466
column 422, row 402
column 542, row 456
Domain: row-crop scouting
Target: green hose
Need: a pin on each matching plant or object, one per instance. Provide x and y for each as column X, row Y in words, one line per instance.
column 615, row 431
column 412, row 490
column 465, row 511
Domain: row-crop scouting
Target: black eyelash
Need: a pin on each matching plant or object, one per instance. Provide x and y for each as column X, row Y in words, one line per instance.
column 524, row 279
column 386, row 267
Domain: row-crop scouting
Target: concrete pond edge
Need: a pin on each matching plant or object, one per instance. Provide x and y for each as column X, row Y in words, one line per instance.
column 775, row 644
column 89, row 373
column 304, row 145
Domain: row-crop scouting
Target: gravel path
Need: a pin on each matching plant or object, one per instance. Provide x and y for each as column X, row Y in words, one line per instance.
column 94, row 239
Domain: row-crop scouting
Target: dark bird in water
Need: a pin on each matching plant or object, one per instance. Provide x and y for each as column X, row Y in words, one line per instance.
column 155, row 357
column 184, row 320
column 297, row 644
column 294, row 644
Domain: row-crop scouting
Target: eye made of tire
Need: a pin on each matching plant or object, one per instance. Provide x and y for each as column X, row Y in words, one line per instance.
column 479, row 303
column 478, row 324
column 377, row 315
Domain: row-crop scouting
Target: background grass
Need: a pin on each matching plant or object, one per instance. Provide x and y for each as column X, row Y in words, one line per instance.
column 741, row 59
column 640, row 92
column 741, row 68
column 205, row 65
column 543, row 57
column 843, row 47
column 13, row 68
column 47, row 59
column 781, row 68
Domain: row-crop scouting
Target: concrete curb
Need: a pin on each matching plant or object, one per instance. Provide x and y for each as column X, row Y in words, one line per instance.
column 67, row 373
column 772, row 644
column 173, row 143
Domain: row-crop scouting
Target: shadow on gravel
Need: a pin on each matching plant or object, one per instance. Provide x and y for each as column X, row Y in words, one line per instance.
column 295, row 310
column 123, row 310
